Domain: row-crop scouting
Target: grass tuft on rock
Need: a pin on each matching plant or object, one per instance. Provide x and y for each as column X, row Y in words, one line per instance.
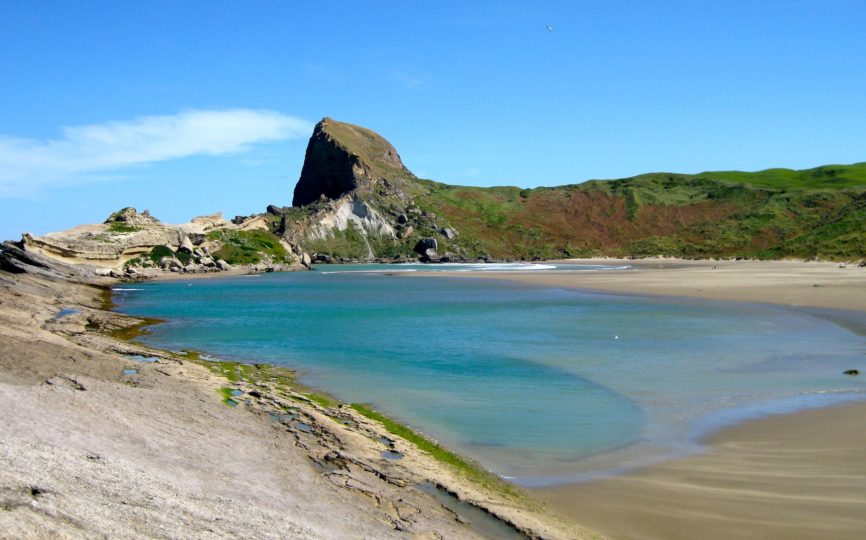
column 248, row 247
column 122, row 227
column 158, row 252
column 462, row 466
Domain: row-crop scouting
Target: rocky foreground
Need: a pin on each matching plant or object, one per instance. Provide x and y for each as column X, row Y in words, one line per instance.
column 102, row 437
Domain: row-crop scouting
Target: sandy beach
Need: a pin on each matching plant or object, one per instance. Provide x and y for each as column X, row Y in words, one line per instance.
column 791, row 283
column 797, row 476
column 793, row 476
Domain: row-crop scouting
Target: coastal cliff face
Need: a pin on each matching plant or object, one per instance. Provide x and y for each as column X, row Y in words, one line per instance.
column 342, row 158
column 355, row 201
column 346, row 212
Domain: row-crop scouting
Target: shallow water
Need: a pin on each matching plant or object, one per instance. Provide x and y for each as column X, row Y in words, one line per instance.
column 539, row 384
column 475, row 518
column 65, row 313
column 463, row 268
column 142, row 359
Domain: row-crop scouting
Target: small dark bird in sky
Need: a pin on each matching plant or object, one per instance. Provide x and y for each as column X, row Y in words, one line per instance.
column 549, row 28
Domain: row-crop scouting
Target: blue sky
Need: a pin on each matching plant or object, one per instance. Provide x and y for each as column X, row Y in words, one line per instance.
column 186, row 108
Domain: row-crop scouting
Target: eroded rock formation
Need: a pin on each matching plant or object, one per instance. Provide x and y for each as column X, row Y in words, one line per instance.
column 342, row 158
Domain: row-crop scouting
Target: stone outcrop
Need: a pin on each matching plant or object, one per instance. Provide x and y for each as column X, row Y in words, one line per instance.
column 426, row 244
column 125, row 235
column 98, row 246
column 205, row 223
column 353, row 177
column 342, row 158
column 131, row 216
column 340, row 213
column 15, row 259
column 275, row 210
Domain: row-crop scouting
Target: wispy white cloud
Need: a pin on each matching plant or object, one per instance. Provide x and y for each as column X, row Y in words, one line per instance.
column 85, row 153
column 411, row 78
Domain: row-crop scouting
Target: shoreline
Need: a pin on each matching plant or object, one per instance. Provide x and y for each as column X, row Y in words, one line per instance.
column 163, row 425
column 621, row 282
column 796, row 474
column 644, row 516
column 675, row 271
column 786, row 283
column 840, row 288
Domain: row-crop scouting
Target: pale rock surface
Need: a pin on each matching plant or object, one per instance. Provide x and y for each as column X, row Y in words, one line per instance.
column 351, row 210
column 185, row 244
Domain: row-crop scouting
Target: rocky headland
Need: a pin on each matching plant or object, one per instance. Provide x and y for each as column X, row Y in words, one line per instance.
column 357, row 201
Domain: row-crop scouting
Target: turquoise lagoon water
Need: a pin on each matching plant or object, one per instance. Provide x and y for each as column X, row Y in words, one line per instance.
column 539, row 384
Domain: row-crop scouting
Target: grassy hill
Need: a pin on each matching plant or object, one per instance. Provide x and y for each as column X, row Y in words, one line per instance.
column 768, row 214
column 825, row 177
column 775, row 213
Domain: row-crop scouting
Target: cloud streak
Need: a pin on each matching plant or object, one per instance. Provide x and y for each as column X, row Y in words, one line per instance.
column 82, row 153
column 411, row 78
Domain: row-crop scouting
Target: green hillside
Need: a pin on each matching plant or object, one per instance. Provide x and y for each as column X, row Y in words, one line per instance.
column 768, row 214
column 775, row 213
column 825, row 177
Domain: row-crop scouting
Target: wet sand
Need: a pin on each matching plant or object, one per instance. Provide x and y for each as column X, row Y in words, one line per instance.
column 797, row 476
column 794, row 476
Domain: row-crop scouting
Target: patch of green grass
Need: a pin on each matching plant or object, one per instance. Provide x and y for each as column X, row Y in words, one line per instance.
column 158, row 252
column 122, row 227
column 256, row 374
column 824, row 177
column 347, row 244
column 768, row 214
column 183, row 257
column 259, row 374
column 135, row 261
column 226, row 369
column 460, row 465
column 320, row 399
column 226, row 394
column 247, row 247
